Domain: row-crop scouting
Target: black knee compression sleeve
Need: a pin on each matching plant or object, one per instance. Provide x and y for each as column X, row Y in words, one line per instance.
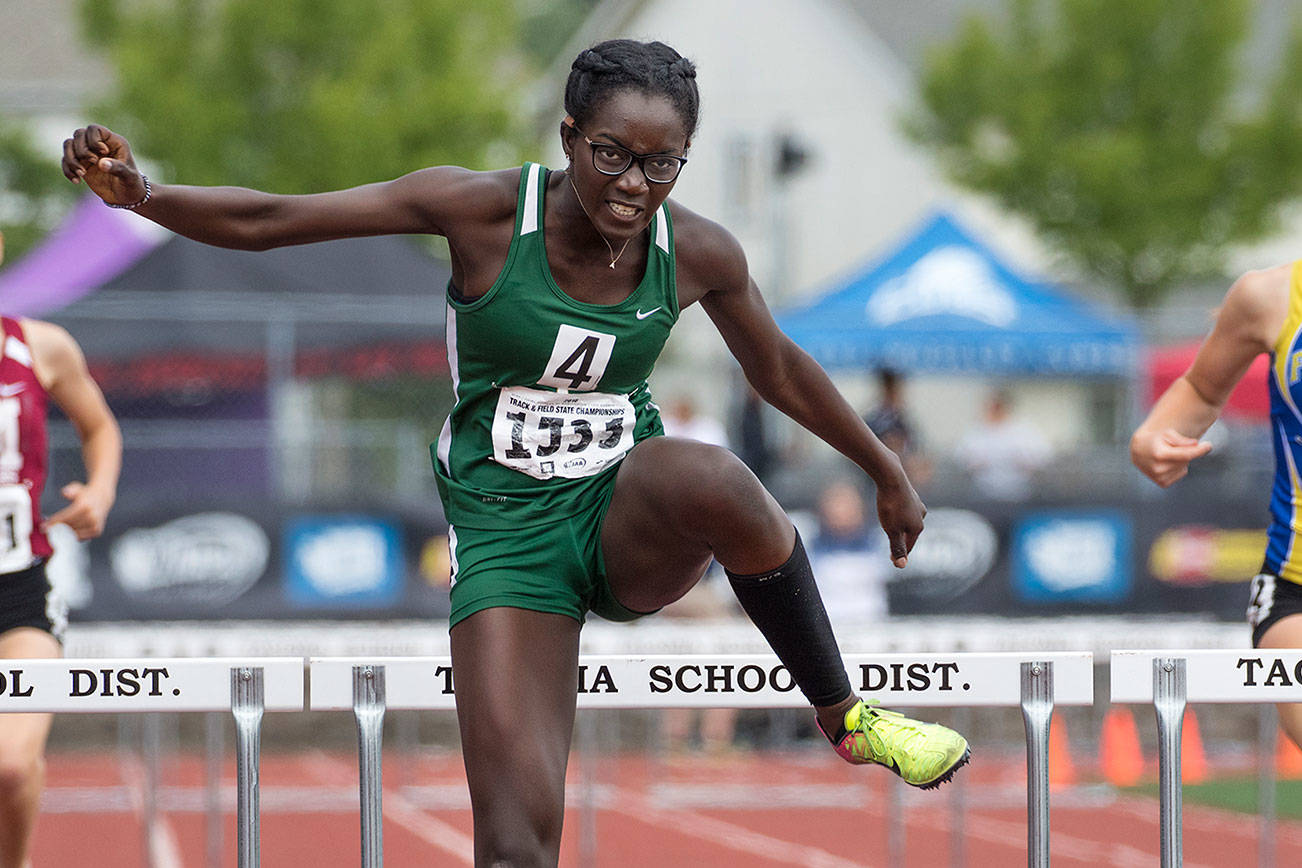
column 786, row 607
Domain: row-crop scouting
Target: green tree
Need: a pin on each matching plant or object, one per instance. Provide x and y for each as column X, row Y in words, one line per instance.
column 297, row 96
column 35, row 194
column 1137, row 136
column 306, row 95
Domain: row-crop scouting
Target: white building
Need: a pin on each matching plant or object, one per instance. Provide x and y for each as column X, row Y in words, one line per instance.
column 47, row 74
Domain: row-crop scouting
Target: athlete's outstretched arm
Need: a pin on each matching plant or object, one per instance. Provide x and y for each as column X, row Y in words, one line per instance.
column 426, row 201
column 1247, row 325
column 789, row 379
column 61, row 369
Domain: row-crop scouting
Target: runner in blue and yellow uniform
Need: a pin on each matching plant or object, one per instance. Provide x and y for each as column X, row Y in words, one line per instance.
column 1262, row 313
column 563, row 495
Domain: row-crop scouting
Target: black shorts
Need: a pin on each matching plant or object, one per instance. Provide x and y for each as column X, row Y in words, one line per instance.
column 26, row 600
column 1270, row 599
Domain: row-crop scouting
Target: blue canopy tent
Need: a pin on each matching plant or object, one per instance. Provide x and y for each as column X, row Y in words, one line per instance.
column 943, row 303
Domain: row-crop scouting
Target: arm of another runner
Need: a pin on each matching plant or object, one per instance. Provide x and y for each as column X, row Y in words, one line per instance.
column 1247, row 325
column 426, row 201
column 61, row 368
column 789, row 379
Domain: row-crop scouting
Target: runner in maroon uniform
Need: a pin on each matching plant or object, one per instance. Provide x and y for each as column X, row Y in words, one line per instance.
column 39, row 361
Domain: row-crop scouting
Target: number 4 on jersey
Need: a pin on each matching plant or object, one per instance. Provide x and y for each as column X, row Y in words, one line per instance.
column 575, row 368
column 578, row 360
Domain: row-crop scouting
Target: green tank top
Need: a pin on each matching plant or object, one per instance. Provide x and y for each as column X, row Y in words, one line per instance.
column 551, row 392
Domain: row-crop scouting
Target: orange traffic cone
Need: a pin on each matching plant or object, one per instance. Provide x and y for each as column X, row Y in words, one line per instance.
column 1062, row 773
column 1122, row 758
column 1193, row 760
column 1288, row 758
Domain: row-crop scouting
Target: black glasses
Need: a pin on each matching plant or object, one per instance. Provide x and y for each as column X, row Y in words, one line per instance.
column 611, row 159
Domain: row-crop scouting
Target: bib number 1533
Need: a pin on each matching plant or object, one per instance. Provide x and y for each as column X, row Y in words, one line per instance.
column 551, row 434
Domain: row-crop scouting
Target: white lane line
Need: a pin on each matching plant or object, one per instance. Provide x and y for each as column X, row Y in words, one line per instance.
column 741, row 796
column 1061, row 845
column 411, row 806
column 1211, row 820
column 164, row 852
column 401, row 811
column 720, row 832
column 194, row 800
column 328, row 769
column 429, row 829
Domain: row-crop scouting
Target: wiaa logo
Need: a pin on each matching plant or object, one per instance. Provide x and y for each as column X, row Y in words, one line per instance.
column 957, row 550
column 208, row 558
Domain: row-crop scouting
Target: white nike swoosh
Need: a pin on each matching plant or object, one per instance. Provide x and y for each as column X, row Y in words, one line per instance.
column 8, row 390
column 641, row 315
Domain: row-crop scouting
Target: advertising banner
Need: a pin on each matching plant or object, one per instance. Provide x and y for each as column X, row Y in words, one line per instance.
column 1143, row 555
column 256, row 561
column 263, row 561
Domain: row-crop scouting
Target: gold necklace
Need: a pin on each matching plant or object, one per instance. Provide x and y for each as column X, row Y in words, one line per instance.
column 614, row 257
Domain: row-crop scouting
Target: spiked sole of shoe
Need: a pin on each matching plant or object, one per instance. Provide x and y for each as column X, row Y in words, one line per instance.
column 944, row 778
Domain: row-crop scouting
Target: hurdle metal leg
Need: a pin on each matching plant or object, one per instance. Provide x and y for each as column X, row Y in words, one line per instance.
column 214, row 747
column 247, row 707
column 368, row 708
column 1267, row 735
column 587, row 725
column 1169, row 692
column 150, row 748
column 1037, row 709
column 758, row 681
column 895, row 821
column 958, row 802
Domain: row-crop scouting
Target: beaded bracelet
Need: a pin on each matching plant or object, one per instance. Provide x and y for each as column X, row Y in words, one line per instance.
column 149, row 191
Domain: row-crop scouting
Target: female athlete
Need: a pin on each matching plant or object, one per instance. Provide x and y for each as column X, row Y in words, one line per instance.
column 40, row 362
column 562, row 493
column 1262, row 313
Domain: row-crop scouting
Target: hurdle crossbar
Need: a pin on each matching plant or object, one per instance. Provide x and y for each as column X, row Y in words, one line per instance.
column 244, row 687
column 1034, row 681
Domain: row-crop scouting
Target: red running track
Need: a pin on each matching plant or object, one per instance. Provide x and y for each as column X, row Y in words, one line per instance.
column 801, row 808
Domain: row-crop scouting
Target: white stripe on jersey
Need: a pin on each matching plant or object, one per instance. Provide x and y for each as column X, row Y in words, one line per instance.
column 452, row 553
column 529, row 220
column 662, row 229
column 450, row 338
column 18, row 351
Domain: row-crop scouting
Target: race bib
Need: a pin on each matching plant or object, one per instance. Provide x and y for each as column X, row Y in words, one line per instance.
column 15, row 528
column 565, row 434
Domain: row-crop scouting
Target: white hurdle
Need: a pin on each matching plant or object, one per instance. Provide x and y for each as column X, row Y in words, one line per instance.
column 1171, row 679
column 1034, row 681
column 244, row 686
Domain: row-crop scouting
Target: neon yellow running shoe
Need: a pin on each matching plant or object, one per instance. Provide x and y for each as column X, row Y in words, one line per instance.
column 924, row 755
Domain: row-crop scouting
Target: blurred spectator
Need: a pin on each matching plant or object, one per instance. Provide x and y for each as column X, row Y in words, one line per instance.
column 707, row 600
column 681, row 419
column 849, row 557
column 1003, row 453
column 891, row 422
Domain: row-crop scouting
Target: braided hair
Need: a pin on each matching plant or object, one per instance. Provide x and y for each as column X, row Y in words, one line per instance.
column 620, row 64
